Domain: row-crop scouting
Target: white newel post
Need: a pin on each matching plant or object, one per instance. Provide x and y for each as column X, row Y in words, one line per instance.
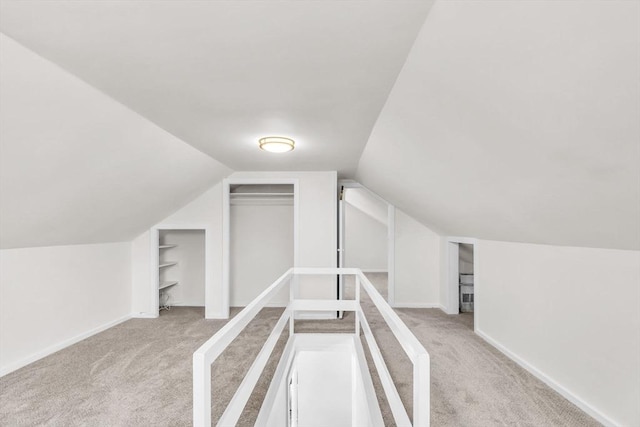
column 201, row 391
column 421, row 391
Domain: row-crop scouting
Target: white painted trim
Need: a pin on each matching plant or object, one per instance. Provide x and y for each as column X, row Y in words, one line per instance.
column 467, row 240
column 154, row 275
column 453, row 271
column 142, row 315
column 323, row 305
column 398, row 410
column 154, row 235
column 218, row 317
column 354, row 184
column 212, row 348
column 324, row 270
column 226, row 227
column 234, row 409
column 302, row 315
column 61, row 345
column 341, row 240
column 226, row 247
column 391, row 255
column 361, row 371
column 595, row 413
column 269, row 305
column 417, row 305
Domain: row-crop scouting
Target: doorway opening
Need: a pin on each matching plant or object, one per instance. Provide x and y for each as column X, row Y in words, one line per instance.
column 365, row 238
column 462, row 282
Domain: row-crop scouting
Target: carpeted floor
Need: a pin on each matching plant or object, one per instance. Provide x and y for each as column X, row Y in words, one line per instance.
column 139, row 374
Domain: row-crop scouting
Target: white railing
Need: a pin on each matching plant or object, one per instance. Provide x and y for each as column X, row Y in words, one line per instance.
column 211, row 350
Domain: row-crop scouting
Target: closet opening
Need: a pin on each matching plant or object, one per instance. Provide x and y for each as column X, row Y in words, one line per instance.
column 259, row 223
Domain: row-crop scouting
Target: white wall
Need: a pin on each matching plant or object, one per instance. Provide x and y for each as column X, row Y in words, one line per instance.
column 572, row 315
column 417, row 263
column 261, row 250
column 324, row 387
column 190, row 270
column 205, row 211
column 316, row 237
column 141, row 304
column 51, row 297
column 365, row 240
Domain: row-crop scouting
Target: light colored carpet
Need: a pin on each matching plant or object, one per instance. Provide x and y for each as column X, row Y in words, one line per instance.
column 139, row 374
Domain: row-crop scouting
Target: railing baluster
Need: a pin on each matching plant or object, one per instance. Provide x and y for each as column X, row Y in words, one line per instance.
column 292, row 296
column 209, row 351
column 201, row 391
column 358, row 302
column 421, row 391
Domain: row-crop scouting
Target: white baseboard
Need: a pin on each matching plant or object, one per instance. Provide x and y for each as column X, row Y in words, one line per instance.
column 144, row 316
column 599, row 416
column 416, row 305
column 59, row 346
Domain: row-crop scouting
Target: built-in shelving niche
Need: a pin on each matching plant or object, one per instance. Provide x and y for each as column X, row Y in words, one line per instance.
column 181, row 276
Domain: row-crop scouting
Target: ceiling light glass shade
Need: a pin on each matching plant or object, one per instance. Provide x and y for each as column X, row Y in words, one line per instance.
column 276, row 144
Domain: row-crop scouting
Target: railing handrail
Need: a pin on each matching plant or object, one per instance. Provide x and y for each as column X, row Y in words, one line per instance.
column 208, row 349
column 410, row 344
column 213, row 347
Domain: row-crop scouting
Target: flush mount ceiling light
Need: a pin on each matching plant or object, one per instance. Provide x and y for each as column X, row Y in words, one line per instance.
column 276, row 144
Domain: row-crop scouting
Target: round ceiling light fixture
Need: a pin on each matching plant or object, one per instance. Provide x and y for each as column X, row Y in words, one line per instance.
column 276, row 144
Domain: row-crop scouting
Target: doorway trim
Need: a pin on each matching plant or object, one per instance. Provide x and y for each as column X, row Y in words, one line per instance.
column 155, row 261
column 226, row 227
column 452, row 258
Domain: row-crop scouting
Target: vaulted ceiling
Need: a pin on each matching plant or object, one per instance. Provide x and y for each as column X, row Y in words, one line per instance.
column 517, row 121
column 221, row 74
column 501, row 120
column 77, row 167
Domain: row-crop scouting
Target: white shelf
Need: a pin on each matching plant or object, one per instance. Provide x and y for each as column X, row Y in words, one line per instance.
column 166, row 246
column 167, row 264
column 165, row 285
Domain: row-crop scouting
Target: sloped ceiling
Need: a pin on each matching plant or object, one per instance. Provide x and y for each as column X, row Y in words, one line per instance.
column 78, row 167
column 513, row 121
column 370, row 205
column 517, row 121
column 221, row 74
